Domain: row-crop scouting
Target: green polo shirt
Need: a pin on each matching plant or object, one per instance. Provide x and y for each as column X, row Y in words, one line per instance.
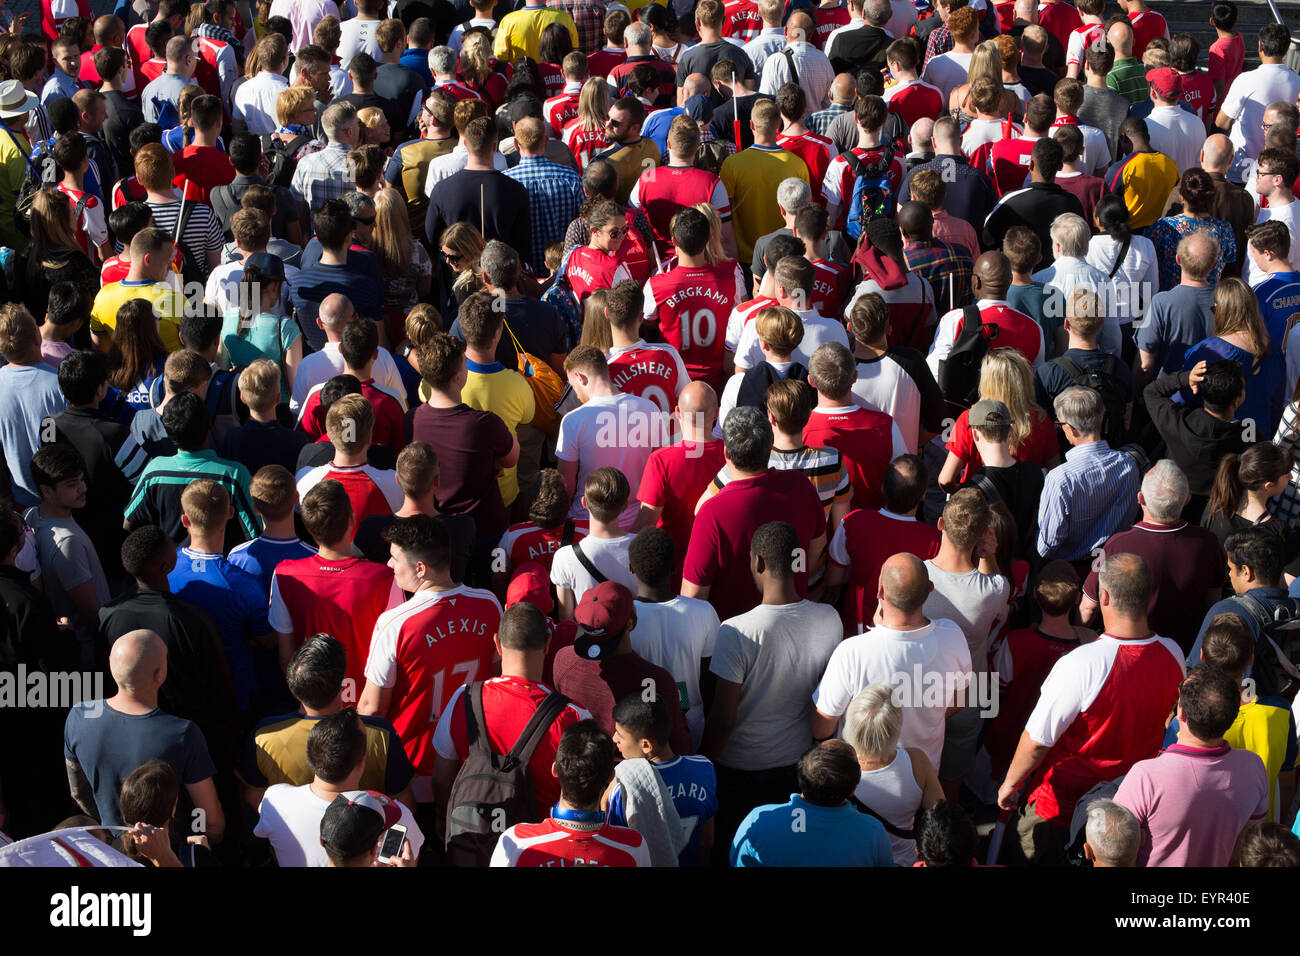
column 157, row 497
column 1128, row 78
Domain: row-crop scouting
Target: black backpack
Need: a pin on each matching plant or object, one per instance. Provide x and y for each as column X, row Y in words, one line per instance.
column 753, row 387
column 1102, row 380
column 191, row 268
column 280, row 158
column 493, row 791
column 41, row 172
column 959, row 373
column 1276, row 670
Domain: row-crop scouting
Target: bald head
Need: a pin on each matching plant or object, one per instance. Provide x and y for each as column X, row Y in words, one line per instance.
column 800, row 26
column 1216, row 154
column 698, row 398
column 922, row 135
column 697, row 84
column 138, row 661
column 991, row 276
column 904, row 583
column 336, row 311
column 1120, row 36
column 844, row 90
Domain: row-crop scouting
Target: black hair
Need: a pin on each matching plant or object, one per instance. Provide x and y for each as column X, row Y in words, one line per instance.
column 200, row 331
column 336, row 745
column 245, row 153
column 185, row 419
column 53, row 464
column 143, row 135
column 422, row 538
column 644, row 719
column 651, row 556
column 777, row 543
column 142, row 546
column 1210, row 700
column 67, row 303
column 335, row 389
column 1274, row 40
column 1260, row 549
column 946, row 836
column 128, row 219
column 333, row 222
column 316, row 671
column 904, row 483
column 1222, row 385
column 81, row 373
column 584, row 762
column 828, row 774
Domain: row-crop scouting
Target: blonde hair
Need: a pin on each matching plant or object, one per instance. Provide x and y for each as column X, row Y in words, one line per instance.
column 392, row 236
column 274, row 492
column 206, row 504
column 476, row 59
column 1237, row 310
column 1006, row 376
column 986, row 63
column 466, row 241
column 593, row 104
column 354, row 411
column 293, row 101
column 259, row 384
column 714, row 254
column 18, row 332
column 595, row 324
column 873, row 722
column 779, row 328
column 421, row 322
column 370, row 117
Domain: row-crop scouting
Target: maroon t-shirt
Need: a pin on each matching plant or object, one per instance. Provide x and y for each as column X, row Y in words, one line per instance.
column 1087, row 188
column 468, row 443
column 718, row 556
column 1186, row 561
column 598, row 685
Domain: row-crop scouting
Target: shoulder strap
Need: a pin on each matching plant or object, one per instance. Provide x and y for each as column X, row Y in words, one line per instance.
column 1069, row 366
column 1109, row 365
column 586, row 563
column 296, row 144
column 1119, row 259
column 854, row 163
column 1255, row 608
column 985, row 484
column 566, row 536
column 889, row 827
column 80, row 208
column 789, row 58
column 971, row 321
column 475, row 726
column 538, row 725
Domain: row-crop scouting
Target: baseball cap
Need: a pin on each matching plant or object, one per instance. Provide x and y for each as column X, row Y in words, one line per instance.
column 989, row 411
column 532, row 584
column 355, row 821
column 602, row 616
column 1166, row 81
column 266, row 265
column 699, row 108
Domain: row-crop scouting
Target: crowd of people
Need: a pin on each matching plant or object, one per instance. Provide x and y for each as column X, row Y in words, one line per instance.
column 625, row 434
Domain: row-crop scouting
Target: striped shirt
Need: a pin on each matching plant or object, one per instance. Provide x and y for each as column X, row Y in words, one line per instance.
column 202, row 230
column 157, row 497
column 1086, row 500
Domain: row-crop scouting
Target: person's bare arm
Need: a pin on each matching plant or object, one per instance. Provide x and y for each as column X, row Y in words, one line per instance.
column 292, row 357
column 284, row 643
column 204, row 797
column 1223, row 121
column 926, row 778
column 512, row 459
column 815, row 550
column 692, row 590
column 647, row 517
column 374, row 700
column 85, row 600
column 79, row 787
column 1028, row 756
column 824, row 726
column 949, row 474
column 729, row 241
column 565, row 603
column 1088, row 608
column 722, row 718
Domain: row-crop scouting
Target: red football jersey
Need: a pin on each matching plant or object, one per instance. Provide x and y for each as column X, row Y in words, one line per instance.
column 1025, row 659
column 457, row 90
column 741, row 19
column 1009, row 159
column 1147, row 25
column 1015, row 330
column 1060, row 19
column 425, row 649
column 742, row 315
column 663, row 191
column 864, row 541
column 815, row 150
column 865, row 439
column 691, row 305
column 830, row 286
column 914, row 100
column 151, row 69
column 559, row 110
column 341, row 598
column 1198, row 93
column 527, row 542
column 583, row 143
column 602, row 61
column 591, row 269
column 552, row 843
column 651, row 370
column 370, row 490
column 140, row 53
column 829, row 19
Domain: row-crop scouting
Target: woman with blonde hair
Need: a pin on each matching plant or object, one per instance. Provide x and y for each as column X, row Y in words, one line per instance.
column 461, row 245
column 367, row 164
column 478, row 68
column 54, row 255
column 1006, row 377
column 374, row 128
column 585, row 133
column 406, row 267
column 985, row 64
column 1239, row 334
column 897, row 782
column 714, row 253
column 295, row 109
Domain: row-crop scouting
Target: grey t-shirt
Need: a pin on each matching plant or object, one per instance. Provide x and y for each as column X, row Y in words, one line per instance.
column 1176, row 320
column 68, row 560
column 777, row 652
column 976, row 602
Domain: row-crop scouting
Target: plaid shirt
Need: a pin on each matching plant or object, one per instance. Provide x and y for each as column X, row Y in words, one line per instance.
column 946, row 267
column 589, row 17
column 555, row 195
column 1287, row 505
column 708, row 135
column 940, row 41
column 820, row 122
column 323, row 175
column 214, row 32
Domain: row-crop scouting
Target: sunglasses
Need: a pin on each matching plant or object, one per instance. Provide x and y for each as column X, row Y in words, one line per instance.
column 369, row 221
column 452, row 258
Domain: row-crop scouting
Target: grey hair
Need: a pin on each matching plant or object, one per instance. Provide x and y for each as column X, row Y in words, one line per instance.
column 358, row 202
column 1112, row 832
column 638, row 34
column 793, row 194
column 442, row 59
column 1070, row 230
column 1126, row 579
column 877, row 12
column 873, row 722
column 501, row 264
column 747, row 437
column 1081, row 408
column 1164, row 489
column 336, row 118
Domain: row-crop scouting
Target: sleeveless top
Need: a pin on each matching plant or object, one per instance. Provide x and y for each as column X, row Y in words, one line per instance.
column 893, row 793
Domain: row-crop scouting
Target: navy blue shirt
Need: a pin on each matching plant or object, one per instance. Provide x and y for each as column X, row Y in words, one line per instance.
column 970, row 195
column 360, row 280
column 1271, row 598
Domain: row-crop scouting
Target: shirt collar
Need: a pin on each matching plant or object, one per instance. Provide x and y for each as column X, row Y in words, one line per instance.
column 1087, row 450
column 484, row 369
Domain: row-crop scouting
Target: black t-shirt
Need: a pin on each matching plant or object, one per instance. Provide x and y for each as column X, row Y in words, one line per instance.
column 1037, row 79
column 402, row 86
column 724, row 118
column 396, row 113
column 536, row 325
column 459, row 527
column 123, row 116
column 1019, row 486
column 317, row 453
column 256, row 444
column 701, row 58
column 481, row 195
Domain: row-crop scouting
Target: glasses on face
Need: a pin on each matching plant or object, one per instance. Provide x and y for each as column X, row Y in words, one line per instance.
column 1266, row 126
column 452, row 258
column 613, row 123
column 1265, row 172
column 616, row 232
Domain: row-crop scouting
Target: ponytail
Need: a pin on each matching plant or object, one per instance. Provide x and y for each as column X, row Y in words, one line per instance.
column 1226, row 495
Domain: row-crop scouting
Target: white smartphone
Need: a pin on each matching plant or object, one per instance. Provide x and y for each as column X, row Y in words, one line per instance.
column 393, row 840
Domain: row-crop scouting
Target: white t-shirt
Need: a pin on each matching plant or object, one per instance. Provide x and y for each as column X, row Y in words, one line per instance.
column 677, row 635
column 885, row 386
column 947, row 71
column 609, row 555
column 1178, row 134
column 222, row 289
column 1138, row 278
column 817, row 330
column 1289, row 215
column 616, row 430
column 289, row 817
column 358, row 36
column 912, row 662
column 1248, row 97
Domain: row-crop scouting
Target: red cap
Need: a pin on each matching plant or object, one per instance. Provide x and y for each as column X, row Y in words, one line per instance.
column 602, row 614
column 1166, row 81
column 531, row 584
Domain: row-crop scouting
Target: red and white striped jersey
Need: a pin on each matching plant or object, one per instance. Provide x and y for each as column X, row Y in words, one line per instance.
column 829, row 19
column 591, row 269
column 914, row 99
column 663, row 191
column 559, row 110
column 815, row 150
column 689, row 303
column 217, row 69
column 583, row 143
column 553, row 843
column 92, row 230
column 652, row 370
column 371, row 491
column 741, row 19
column 527, row 542
column 424, row 649
column 740, row 317
column 457, row 90
column 1102, row 709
